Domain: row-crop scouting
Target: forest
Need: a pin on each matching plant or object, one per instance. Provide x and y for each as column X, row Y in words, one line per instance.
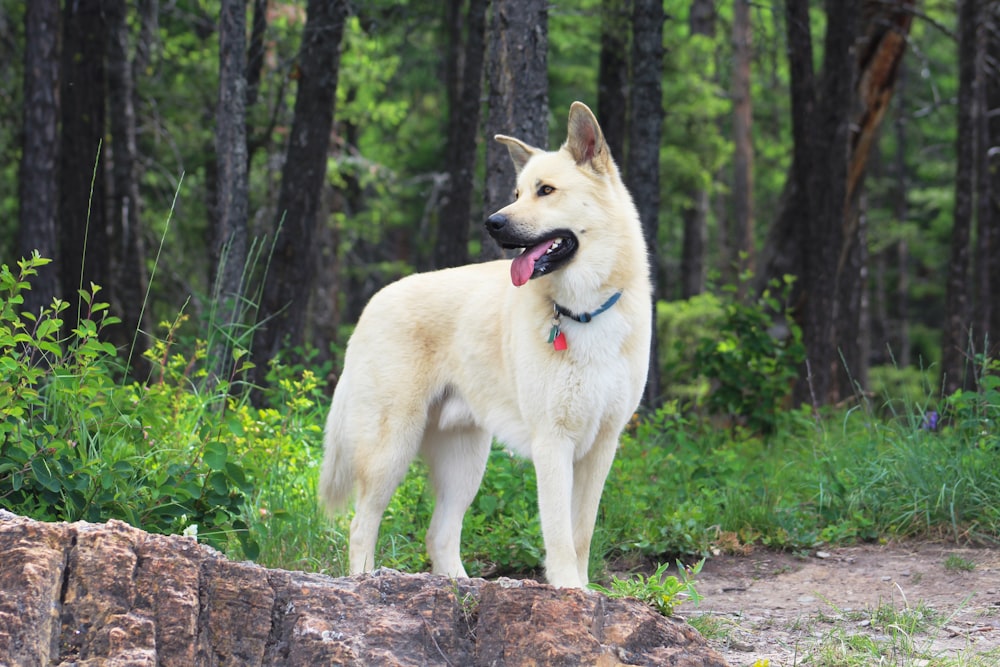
column 264, row 167
column 199, row 197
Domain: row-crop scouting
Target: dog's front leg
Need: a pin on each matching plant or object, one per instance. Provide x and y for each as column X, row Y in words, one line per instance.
column 553, row 461
column 589, row 475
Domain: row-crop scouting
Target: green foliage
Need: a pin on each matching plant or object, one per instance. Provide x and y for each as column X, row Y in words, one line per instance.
column 659, row 590
column 898, row 389
column 751, row 369
column 681, row 325
column 975, row 415
column 78, row 444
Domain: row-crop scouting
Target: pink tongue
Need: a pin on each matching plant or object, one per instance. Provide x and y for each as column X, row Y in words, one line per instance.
column 524, row 264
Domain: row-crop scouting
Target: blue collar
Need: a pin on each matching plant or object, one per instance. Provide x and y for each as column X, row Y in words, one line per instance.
column 586, row 317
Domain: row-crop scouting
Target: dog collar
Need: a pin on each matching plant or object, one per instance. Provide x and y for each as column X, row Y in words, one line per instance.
column 556, row 337
column 586, row 317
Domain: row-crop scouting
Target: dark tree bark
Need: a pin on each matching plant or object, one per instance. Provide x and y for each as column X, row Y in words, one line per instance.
column 815, row 199
column 992, row 21
column 127, row 248
column 517, row 71
column 40, row 154
column 900, row 313
column 255, row 51
column 229, row 246
column 612, row 75
column 83, row 239
column 642, row 172
column 464, row 90
column 955, row 333
column 741, row 235
column 880, row 53
column 987, row 244
column 289, row 282
column 695, row 215
column 255, row 69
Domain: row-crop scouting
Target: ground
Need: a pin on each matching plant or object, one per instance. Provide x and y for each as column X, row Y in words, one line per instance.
column 911, row 604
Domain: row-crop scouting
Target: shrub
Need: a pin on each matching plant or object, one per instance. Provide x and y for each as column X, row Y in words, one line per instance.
column 750, row 363
column 76, row 444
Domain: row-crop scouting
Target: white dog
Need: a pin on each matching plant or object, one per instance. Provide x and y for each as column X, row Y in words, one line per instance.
column 547, row 353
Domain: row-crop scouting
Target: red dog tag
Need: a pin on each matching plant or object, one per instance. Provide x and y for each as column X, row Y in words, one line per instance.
column 560, row 342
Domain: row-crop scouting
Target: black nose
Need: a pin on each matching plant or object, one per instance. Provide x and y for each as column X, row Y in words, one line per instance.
column 496, row 222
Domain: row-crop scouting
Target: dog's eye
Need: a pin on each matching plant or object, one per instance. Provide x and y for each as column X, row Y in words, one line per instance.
column 517, row 194
column 545, row 190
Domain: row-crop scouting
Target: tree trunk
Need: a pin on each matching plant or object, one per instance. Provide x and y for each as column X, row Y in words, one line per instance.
column 452, row 247
column 955, row 333
column 741, row 237
column 695, row 215
column 229, row 247
column 642, row 172
column 612, row 76
column 880, row 54
column 40, row 153
column 815, row 201
column 255, row 69
column 128, row 259
column 289, row 281
column 902, row 251
column 517, row 71
column 992, row 19
column 83, row 239
column 987, row 245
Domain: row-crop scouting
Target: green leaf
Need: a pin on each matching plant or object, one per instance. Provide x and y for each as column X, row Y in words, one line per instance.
column 43, row 476
column 216, row 454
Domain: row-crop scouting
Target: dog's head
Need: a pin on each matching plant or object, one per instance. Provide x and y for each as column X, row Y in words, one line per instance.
column 561, row 196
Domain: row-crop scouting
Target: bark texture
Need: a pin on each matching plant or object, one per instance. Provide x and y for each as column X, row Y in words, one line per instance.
column 39, row 191
column 517, row 71
column 90, row 594
column 83, row 237
column 955, row 331
column 642, row 166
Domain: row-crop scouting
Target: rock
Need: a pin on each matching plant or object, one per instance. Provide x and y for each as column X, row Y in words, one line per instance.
column 86, row 595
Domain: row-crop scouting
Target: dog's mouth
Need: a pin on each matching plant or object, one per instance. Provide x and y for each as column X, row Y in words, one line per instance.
column 541, row 256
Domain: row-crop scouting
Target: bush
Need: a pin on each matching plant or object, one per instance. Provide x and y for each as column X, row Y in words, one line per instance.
column 77, row 444
column 751, row 362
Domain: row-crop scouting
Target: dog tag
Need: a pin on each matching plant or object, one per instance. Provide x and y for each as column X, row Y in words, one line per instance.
column 559, row 342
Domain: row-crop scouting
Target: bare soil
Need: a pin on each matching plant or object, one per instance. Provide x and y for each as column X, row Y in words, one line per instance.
column 782, row 607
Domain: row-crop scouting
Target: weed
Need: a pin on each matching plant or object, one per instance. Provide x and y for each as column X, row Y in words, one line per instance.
column 710, row 626
column 660, row 591
column 956, row 563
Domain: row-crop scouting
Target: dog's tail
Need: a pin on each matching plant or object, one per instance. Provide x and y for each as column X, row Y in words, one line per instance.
column 336, row 477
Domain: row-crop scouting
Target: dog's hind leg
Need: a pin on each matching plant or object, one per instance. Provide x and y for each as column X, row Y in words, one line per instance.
column 380, row 467
column 456, row 458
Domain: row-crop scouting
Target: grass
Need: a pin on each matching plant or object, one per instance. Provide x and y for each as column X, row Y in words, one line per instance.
column 956, row 563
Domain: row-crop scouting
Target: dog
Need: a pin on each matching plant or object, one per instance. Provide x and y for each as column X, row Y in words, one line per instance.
column 547, row 352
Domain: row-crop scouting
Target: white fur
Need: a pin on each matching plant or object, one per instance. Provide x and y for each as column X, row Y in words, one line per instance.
column 442, row 362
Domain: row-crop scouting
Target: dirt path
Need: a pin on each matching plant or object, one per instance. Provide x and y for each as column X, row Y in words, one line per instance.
column 919, row 604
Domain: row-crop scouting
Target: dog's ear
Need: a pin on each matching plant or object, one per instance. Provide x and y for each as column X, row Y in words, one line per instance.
column 584, row 138
column 520, row 152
